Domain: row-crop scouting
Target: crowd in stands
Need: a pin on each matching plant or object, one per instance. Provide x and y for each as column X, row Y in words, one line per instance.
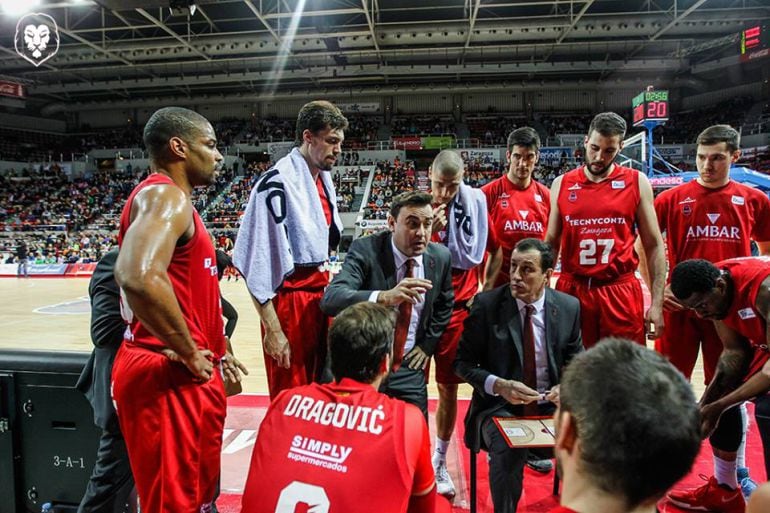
column 268, row 129
column 30, row 146
column 493, row 130
column 422, row 125
column 390, row 179
column 30, row 201
column 684, row 127
column 58, row 247
column 345, row 183
column 224, row 210
column 361, row 130
column 566, row 124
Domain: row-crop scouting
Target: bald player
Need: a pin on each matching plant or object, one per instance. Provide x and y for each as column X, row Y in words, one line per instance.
column 461, row 223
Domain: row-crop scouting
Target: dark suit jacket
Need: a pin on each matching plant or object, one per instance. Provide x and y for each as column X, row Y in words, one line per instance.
column 370, row 265
column 492, row 343
column 107, row 328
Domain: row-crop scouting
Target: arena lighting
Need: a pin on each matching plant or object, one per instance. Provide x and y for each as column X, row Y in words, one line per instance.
column 285, row 50
column 18, row 7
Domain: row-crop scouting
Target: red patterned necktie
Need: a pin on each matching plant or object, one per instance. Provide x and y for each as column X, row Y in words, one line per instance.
column 402, row 324
column 530, row 370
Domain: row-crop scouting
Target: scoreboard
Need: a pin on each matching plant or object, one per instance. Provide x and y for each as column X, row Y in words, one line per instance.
column 650, row 106
column 754, row 43
column 754, row 38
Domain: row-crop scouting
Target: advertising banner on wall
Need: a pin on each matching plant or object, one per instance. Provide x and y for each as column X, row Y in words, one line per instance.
column 407, row 143
column 359, row 108
column 487, row 155
column 553, row 155
column 437, row 142
column 664, row 182
column 12, row 89
column 670, row 151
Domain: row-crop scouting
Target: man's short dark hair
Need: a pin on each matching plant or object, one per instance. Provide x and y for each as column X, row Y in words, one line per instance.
column 317, row 116
column 525, row 136
column 720, row 134
column 636, row 419
column 608, row 124
column 547, row 256
column 359, row 338
column 694, row 276
column 171, row 122
column 410, row 199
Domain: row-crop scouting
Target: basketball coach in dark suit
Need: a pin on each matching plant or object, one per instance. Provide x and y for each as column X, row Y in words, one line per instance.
column 111, row 487
column 515, row 344
column 402, row 269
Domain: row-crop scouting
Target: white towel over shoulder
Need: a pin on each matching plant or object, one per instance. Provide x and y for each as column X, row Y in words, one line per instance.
column 283, row 226
column 467, row 227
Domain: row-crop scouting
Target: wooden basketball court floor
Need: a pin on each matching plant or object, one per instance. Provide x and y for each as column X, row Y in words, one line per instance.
column 53, row 314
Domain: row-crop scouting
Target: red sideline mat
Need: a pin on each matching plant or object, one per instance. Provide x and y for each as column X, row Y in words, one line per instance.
column 245, row 412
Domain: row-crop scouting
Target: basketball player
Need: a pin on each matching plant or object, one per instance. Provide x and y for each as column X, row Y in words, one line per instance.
column 460, row 221
column 518, row 205
column 344, row 446
column 596, row 211
column 169, row 396
column 609, row 458
column 735, row 295
column 290, row 224
column 713, row 218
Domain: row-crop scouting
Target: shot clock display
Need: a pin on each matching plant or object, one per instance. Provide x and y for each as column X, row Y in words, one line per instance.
column 650, row 106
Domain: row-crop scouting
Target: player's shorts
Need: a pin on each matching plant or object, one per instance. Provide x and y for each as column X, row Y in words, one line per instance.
column 173, row 429
column 683, row 335
column 305, row 327
column 607, row 309
column 446, row 350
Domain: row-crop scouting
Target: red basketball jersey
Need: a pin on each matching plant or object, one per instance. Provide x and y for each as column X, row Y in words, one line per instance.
column 599, row 224
column 747, row 276
column 338, row 447
column 465, row 282
column 193, row 275
column 516, row 214
column 713, row 224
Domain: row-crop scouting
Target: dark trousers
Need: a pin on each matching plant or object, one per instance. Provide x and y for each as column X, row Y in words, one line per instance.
column 727, row 435
column 409, row 386
column 506, row 465
column 111, row 487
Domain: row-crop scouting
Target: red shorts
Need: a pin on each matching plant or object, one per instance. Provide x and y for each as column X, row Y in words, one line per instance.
column 614, row 309
column 172, row 427
column 446, row 350
column 683, row 334
column 305, row 327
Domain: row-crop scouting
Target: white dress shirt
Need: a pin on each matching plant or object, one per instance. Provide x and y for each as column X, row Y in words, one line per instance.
column 541, row 354
column 418, row 271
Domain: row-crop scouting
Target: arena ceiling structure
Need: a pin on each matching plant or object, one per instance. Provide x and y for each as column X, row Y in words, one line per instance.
column 113, row 51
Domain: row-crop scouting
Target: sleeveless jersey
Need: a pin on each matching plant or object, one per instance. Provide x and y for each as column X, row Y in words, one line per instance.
column 193, row 275
column 747, row 275
column 337, row 447
column 516, row 214
column 713, row 224
column 599, row 224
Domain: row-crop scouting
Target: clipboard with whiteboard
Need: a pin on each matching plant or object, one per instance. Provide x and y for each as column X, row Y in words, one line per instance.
column 527, row 432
